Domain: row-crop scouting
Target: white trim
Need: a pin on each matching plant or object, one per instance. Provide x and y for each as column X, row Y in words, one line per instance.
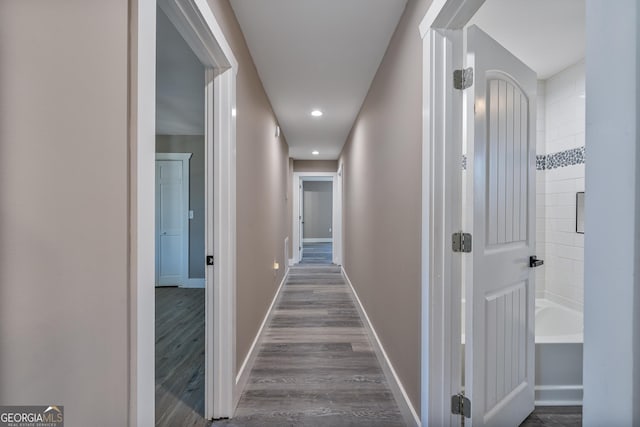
column 316, row 240
column 249, row 361
column 336, row 222
column 298, row 178
column 338, row 188
column 441, row 216
column 399, row 393
column 317, row 178
column 448, row 14
column 196, row 22
column 183, row 157
column 142, row 178
column 558, row 395
column 194, row 283
column 184, row 249
column 221, row 325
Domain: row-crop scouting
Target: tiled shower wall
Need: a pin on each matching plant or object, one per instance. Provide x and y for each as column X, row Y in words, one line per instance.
column 560, row 174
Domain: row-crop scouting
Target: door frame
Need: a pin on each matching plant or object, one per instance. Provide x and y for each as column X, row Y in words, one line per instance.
column 298, row 178
column 441, row 278
column 197, row 24
column 184, row 241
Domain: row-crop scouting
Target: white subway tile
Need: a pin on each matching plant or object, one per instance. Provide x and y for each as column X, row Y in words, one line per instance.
column 560, row 212
column 561, row 186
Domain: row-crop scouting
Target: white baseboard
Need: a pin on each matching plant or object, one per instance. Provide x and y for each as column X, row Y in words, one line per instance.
column 194, row 283
column 292, row 262
column 317, row 240
column 399, row 393
column 558, row 395
column 247, row 364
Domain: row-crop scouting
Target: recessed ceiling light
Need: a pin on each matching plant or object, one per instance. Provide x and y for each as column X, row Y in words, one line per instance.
column 316, row 113
column 315, row 152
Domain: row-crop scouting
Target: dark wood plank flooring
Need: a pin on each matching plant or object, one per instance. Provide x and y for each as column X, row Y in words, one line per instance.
column 317, row 253
column 180, row 357
column 554, row 416
column 316, row 366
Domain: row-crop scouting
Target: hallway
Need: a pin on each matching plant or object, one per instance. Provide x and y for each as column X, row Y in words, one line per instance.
column 316, row 366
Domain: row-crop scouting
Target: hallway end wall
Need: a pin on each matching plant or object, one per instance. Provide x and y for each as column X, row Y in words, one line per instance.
column 315, row 165
column 262, row 167
column 382, row 200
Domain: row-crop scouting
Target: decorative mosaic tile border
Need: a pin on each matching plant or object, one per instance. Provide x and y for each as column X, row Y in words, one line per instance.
column 574, row 156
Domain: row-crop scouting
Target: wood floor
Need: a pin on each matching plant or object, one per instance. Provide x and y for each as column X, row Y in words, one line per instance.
column 554, row 416
column 180, row 357
column 316, row 366
column 317, row 253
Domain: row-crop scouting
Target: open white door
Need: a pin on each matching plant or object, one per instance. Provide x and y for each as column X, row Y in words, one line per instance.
column 171, row 232
column 499, row 350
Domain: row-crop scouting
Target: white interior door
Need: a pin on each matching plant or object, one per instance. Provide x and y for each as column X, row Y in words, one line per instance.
column 301, row 221
column 499, row 350
column 170, row 262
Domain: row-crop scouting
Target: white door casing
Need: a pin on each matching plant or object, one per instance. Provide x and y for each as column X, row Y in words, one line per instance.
column 197, row 24
column 336, row 223
column 500, row 289
column 172, row 224
column 300, row 220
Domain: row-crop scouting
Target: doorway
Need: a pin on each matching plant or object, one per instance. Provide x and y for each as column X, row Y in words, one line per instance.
column 316, row 229
column 317, row 213
column 480, row 143
column 180, row 229
column 196, row 24
column 177, row 241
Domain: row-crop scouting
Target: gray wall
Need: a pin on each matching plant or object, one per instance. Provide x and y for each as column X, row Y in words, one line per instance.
column 315, row 165
column 262, row 168
column 64, row 207
column 191, row 144
column 317, row 209
column 179, row 83
column 382, row 200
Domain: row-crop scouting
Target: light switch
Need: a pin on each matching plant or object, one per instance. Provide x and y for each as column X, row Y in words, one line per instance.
column 190, row 214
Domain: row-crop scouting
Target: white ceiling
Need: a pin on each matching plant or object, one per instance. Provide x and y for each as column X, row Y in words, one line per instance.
column 179, row 83
column 547, row 35
column 317, row 54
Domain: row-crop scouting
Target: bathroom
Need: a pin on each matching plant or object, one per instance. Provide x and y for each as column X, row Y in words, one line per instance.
column 560, row 171
column 551, row 42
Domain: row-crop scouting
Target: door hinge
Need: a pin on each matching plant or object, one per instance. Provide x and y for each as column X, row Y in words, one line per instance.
column 461, row 405
column 462, row 79
column 461, row 242
column 209, row 259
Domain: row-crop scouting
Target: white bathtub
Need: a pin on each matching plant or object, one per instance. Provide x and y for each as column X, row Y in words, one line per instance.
column 559, row 338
